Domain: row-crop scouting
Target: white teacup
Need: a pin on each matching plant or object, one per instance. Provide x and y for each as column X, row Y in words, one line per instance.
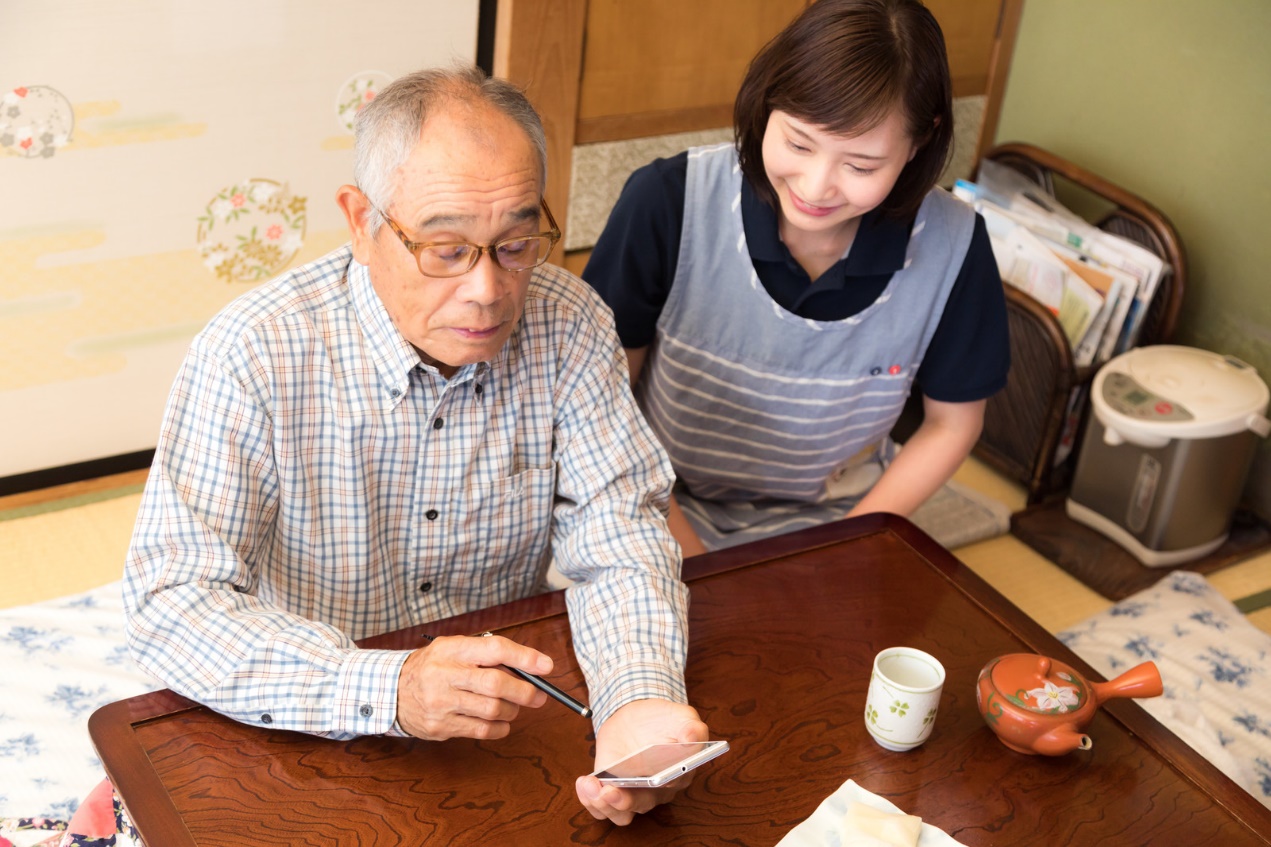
column 904, row 692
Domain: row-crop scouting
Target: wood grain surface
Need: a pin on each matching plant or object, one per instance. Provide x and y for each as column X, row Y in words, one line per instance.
column 783, row 636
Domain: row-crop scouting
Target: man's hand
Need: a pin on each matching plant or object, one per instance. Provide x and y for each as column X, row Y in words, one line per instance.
column 635, row 725
column 454, row 687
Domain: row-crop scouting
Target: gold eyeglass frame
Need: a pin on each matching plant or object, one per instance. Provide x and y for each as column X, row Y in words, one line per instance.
column 416, row 247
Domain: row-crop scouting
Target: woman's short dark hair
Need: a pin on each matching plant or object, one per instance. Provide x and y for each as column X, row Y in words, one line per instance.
column 844, row 66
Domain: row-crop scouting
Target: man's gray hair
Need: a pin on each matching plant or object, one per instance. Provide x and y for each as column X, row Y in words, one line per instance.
column 387, row 129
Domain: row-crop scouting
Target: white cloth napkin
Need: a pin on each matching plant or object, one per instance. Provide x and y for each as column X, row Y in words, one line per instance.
column 824, row 827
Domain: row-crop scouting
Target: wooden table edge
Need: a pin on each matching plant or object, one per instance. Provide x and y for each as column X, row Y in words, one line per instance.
column 111, row 730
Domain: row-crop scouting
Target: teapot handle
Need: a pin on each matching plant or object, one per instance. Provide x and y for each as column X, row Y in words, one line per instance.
column 1139, row 681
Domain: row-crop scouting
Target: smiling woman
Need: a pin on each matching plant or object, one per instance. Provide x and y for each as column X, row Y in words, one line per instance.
column 824, row 182
column 780, row 299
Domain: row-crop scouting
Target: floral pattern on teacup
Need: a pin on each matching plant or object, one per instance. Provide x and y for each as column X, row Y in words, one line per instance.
column 250, row 230
column 893, row 717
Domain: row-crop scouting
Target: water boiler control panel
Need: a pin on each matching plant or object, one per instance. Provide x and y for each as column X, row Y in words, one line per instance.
column 1125, row 395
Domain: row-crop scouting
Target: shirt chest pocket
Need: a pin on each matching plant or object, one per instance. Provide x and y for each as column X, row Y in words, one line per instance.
column 506, row 528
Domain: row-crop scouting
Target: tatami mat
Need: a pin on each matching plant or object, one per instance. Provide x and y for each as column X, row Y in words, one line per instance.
column 1049, row 594
column 57, row 552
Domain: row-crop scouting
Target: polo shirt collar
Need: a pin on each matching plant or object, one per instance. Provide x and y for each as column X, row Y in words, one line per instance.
column 881, row 252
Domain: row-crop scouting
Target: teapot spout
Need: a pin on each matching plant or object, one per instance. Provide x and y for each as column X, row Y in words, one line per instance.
column 1061, row 740
column 1139, row 681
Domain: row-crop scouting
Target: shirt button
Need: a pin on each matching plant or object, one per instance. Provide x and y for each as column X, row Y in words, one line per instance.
column 266, row 718
column 875, row 371
column 438, row 424
column 396, row 392
column 365, row 711
column 477, row 389
column 431, row 514
column 424, row 588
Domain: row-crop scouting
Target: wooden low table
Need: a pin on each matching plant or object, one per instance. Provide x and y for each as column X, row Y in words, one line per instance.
column 783, row 634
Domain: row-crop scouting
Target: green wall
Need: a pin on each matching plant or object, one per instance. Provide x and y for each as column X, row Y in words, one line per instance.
column 1171, row 99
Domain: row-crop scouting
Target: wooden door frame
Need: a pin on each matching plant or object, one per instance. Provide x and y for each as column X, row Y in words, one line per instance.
column 538, row 44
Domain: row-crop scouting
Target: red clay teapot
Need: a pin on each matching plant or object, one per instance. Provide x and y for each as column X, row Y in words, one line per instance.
column 1040, row 705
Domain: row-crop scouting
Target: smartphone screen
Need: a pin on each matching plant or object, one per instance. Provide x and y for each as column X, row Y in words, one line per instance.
column 658, row 764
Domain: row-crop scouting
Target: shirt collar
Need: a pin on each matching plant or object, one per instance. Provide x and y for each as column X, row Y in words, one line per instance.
column 395, row 357
column 881, row 252
column 392, row 354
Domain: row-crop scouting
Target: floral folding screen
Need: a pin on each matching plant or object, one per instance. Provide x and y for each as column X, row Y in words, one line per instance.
column 157, row 159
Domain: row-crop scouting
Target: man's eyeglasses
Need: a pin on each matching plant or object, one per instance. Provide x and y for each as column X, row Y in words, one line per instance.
column 452, row 258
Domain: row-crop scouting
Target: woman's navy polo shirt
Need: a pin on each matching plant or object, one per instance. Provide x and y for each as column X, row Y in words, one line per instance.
column 633, row 266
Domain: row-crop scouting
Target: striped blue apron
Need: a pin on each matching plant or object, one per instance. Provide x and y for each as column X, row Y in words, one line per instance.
column 775, row 422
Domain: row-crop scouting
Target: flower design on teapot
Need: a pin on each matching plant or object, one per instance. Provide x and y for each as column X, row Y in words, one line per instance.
column 1055, row 698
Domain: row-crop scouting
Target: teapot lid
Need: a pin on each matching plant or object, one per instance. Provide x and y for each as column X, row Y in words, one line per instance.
column 1039, row 684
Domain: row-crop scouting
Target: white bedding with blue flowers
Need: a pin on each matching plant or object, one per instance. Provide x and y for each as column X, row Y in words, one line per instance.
column 62, row 659
column 1216, row 667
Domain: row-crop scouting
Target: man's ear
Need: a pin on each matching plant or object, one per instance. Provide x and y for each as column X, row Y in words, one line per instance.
column 355, row 206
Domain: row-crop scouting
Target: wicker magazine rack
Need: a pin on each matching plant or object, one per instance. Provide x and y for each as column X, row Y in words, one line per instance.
column 1026, row 421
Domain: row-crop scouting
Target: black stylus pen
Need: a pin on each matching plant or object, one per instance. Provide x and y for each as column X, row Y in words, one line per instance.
column 542, row 685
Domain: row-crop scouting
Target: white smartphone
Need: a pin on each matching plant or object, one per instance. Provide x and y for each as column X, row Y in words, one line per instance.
column 658, row 764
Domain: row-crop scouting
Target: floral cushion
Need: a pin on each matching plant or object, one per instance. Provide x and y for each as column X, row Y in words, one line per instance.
column 1216, row 667
column 63, row 659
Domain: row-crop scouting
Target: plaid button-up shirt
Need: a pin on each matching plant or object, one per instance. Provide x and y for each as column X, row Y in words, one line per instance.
column 315, row 483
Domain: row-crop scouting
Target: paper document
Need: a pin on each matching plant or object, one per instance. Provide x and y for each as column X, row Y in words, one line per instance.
column 1029, row 265
column 1117, row 290
column 1077, row 311
column 1124, row 275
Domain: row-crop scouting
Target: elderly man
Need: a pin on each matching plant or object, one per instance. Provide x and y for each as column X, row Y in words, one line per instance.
column 409, row 428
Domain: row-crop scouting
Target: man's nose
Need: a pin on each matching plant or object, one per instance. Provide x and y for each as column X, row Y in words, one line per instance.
column 483, row 284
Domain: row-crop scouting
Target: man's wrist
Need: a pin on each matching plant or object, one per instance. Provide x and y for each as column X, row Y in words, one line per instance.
column 365, row 701
column 638, row 681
